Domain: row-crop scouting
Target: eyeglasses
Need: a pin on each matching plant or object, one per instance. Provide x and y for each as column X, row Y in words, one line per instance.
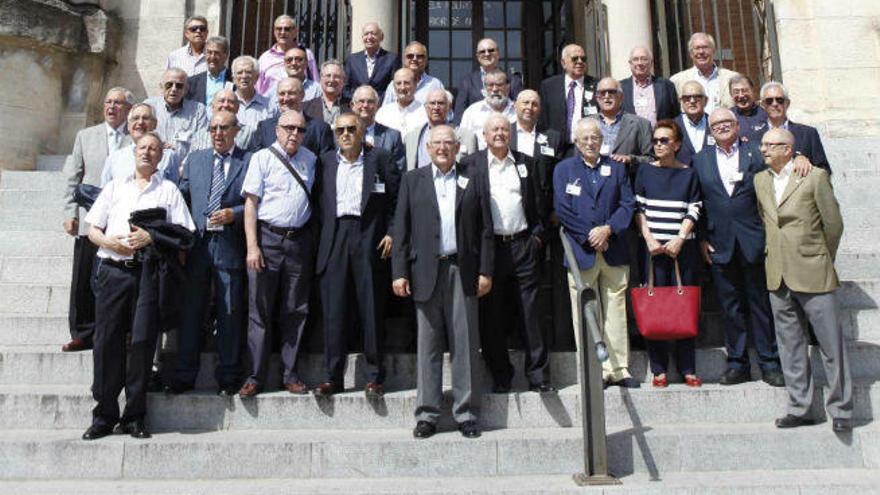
column 722, row 125
column 768, row 145
column 291, row 129
column 342, row 129
column 588, row 139
column 220, row 127
column 663, row 140
column 438, row 103
column 294, row 59
column 578, row 58
column 284, row 29
column 416, row 56
column 692, row 98
column 640, row 60
column 779, row 100
column 496, row 84
column 172, row 84
column 606, row 92
column 365, row 101
column 197, row 29
column 486, row 51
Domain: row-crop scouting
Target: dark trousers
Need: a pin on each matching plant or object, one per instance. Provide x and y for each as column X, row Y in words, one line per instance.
column 351, row 271
column 81, row 314
column 278, row 300
column 742, row 294
column 516, row 267
column 664, row 275
column 230, row 309
column 123, row 307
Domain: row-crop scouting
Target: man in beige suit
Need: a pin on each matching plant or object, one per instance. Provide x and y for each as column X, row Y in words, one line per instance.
column 803, row 225
column 715, row 80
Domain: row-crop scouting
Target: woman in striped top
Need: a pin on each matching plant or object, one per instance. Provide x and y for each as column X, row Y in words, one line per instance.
column 668, row 199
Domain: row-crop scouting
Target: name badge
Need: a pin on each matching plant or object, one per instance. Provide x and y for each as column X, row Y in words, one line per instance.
column 573, row 189
column 590, row 110
column 541, row 138
column 214, row 227
column 379, row 187
column 463, row 182
column 523, row 171
column 588, row 95
column 710, row 141
column 605, row 149
column 605, row 171
column 547, row 151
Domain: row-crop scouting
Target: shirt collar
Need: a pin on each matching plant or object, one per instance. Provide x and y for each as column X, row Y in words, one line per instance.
column 290, row 158
column 568, row 80
column 587, row 164
column 689, row 123
column 733, row 149
column 712, row 74
column 224, row 155
column 493, row 160
column 341, row 159
column 220, row 77
column 783, row 126
column 636, row 84
column 120, row 129
column 519, row 129
column 616, row 118
column 440, row 175
column 785, row 172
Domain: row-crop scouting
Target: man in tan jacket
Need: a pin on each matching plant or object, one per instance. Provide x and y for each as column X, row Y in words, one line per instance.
column 803, row 225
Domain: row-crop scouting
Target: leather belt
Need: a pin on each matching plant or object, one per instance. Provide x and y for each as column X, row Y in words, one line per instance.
column 448, row 257
column 512, row 237
column 286, row 232
column 122, row 264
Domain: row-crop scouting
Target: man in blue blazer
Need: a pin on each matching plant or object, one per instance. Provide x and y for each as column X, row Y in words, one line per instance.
column 594, row 203
column 732, row 242
column 471, row 88
column 318, row 138
column 694, row 122
column 211, row 184
column 643, row 85
column 775, row 101
column 365, row 104
column 373, row 65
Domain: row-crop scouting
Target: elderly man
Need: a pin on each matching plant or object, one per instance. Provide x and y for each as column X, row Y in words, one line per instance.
column 202, row 86
column 179, row 121
column 519, row 214
column 543, row 145
column 594, row 202
column 191, row 56
column 473, row 87
column 626, row 137
column 280, row 251
column 404, row 113
column 272, row 61
column 331, row 103
column 715, row 80
column 295, row 63
column 775, row 101
column 436, row 108
column 246, row 138
column 357, row 208
column 124, row 283
column 364, row 105
column 318, row 138
column 496, row 101
column 83, row 166
column 211, row 184
column 732, row 243
column 694, row 122
column 373, row 66
column 751, row 117
column 443, row 257
column 803, row 226
column 121, row 162
column 415, row 58
column 568, row 97
column 253, row 107
column 644, row 94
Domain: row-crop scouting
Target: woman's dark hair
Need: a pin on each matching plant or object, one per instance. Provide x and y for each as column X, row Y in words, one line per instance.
column 672, row 126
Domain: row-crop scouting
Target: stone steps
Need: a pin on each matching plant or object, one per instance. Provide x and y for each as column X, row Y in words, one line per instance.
column 44, row 329
column 34, row 180
column 14, row 199
column 34, row 270
column 34, row 299
column 50, row 163
column 36, row 243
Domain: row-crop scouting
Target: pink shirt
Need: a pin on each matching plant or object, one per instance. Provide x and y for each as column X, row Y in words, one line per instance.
column 644, row 102
column 272, row 69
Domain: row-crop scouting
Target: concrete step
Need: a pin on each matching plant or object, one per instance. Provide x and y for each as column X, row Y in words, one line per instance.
column 51, row 163
column 34, row 270
column 43, row 330
column 747, row 482
column 36, row 243
column 34, row 180
column 48, row 407
column 31, row 219
column 34, row 299
column 862, row 264
column 40, row 454
column 13, row 199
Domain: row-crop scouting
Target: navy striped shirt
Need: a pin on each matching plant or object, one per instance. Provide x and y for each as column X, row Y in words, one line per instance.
column 667, row 196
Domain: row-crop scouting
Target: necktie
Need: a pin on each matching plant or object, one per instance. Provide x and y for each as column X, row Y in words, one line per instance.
column 217, row 183
column 569, row 107
column 114, row 140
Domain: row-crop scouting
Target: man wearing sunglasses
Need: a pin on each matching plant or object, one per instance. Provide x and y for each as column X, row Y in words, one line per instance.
column 365, row 104
column 179, row 122
column 318, row 138
column 775, row 101
column 272, row 60
column 373, row 66
column 415, row 58
column 568, row 97
column 715, row 80
column 626, row 137
column 472, row 88
column 693, row 121
column 191, row 56
column 357, row 207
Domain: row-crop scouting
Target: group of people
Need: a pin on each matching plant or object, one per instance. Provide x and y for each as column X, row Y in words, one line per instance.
column 243, row 186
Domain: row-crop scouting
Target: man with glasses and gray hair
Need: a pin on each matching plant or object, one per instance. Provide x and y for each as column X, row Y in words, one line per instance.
column 365, row 104
column 253, row 107
column 644, row 94
column 179, row 122
column 715, row 80
column 496, row 101
column 271, row 61
column 775, row 101
column 472, row 87
column 568, row 97
column 415, row 58
column 693, row 121
column 191, row 56
column 437, row 110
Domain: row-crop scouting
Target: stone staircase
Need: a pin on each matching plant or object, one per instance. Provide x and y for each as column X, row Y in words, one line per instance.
column 675, row 440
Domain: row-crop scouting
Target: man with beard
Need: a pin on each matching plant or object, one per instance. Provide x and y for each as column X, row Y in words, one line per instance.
column 496, row 101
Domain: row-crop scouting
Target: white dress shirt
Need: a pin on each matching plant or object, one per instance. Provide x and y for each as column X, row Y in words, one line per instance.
column 578, row 101
column 712, row 87
column 283, row 203
column 728, row 167
column 427, row 83
column 402, row 119
column 349, row 185
column 506, row 202
column 780, row 180
column 114, row 137
column 120, row 163
column 121, row 197
column 476, row 115
column 445, row 188
column 696, row 132
column 525, row 141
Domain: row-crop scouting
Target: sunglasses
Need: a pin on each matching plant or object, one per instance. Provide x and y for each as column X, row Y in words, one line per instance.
column 197, row 29
column 486, row 51
column 663, row 140
column 294, row 59
column 172, row 84
column 220, row 128
column 779, row 100
column 342, row 129
column 284, row 29
column 290, row 129
column 606, row 92
column 691, row 98
column 578, row 58
column 416, row 56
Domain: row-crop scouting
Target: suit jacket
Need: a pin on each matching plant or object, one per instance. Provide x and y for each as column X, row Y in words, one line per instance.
column 389, row 140
column 466, row 138
column 687, row 151
column 197, row 85
column 611, row 205
column 724, row 76
column 377, row 202
column 665, row 97
column 633, row 137
column 319, row 138
column 803, row 232
column 470, row 91
column 533, row 200
column 546, row 156
column 728, row 220
column 417, row 231
column 195, row 185
column 807, row 143
column 553, row 96
column 314, row 109
column 383, row 72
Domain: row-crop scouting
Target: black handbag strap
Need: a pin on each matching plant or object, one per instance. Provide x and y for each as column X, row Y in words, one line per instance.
column 293, row 173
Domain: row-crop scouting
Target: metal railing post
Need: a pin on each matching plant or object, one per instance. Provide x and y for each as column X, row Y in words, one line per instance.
column 591, row 353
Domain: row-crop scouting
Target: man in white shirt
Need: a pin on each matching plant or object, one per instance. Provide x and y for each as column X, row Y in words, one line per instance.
column 715, row 80
column 121, row 162
column 496, row 101
column 405, row 112
column 694, row 122
column 191, row 57
column 415, row 58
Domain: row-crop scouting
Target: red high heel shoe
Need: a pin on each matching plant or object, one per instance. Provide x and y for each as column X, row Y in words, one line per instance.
column 660, row 382
column 693, row 381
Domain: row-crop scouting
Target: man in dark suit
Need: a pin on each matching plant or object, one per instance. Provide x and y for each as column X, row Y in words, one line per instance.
column 646, row 95
column 543, row 145
column 733, row 245
column 373, row 66
column 694, row 122
column 364, row 104
column 331, row 103
column 211, row 184
column 568, row 97
column 775, row 101
column 201, row 87
column 751, row 117
column 318, row 138
column 357, row 207
column 443, row 257
column 519, row 214
column 471, row 88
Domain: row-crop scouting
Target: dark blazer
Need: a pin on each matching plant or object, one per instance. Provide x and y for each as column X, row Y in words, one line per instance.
column 544, row 162
column 417, row 231
column 196, row 86
column 377, row 204
column 807, row 143
column 665, row 97
column 612, row 205
column 314, row 109
column 687, row 151
column 470, row 91
column 383, row 72
column 389, row 139
column 553, row 96
column 319, row 138
column 195, row 185
column 534, row 203
column 728, row 220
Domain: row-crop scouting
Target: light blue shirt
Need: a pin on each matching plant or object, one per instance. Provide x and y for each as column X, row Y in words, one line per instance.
column 311, row 88
column 426, row 85
column 349, row 185
column 283, row 203
column 212, row 86
column 444, row 187
column 120, row 163
column 252, row 112
column 180, row 127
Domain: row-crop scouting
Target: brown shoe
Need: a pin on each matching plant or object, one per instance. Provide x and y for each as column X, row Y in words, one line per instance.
column 327, row 389
column 75, row 345
column 248, row 390
column 298, row 388
column 374, row 390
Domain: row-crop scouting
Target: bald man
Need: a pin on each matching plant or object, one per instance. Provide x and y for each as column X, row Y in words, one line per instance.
column 373, row 66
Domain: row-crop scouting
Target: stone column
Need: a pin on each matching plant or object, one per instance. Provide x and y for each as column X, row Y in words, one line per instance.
column 629, row 24
column 385, row 12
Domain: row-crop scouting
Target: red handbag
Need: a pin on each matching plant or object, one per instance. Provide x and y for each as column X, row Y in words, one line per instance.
column 666, row 313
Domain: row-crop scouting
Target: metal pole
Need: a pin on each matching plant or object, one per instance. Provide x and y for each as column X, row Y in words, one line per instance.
column 591, row 353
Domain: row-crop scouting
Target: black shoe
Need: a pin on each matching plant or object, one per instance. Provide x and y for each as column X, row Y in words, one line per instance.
column 155, row 384
column 228, row 390
column 135, row 428
column 774, row 378
column 542, row 388
column 424, row 429
column 97, row 431
column 792, row 421
column 842, row 425
column 469, row 429
column 177, row 388
column 735, row 377
column 628, row 382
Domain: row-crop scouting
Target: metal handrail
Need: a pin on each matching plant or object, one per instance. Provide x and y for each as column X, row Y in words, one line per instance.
column 590, row 379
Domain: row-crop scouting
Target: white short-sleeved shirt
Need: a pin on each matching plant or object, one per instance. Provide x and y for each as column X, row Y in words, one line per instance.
column 283, row 203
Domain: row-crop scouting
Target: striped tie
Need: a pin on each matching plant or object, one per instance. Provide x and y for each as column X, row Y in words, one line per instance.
column 218, row 183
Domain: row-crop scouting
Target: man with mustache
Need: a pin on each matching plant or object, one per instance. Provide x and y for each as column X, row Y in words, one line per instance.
column 496, row 101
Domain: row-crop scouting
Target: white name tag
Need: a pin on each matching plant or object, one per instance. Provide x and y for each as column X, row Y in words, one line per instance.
column 588, row 95
column 523, row 171
column 214, row 227
column 182, row 136
column 463, row 182
column 590, row 111
column 573, row 189
column 547, row 151
column 379, row 187
column 541, row 139
column 605, row 171
column 605, row 149
column 710, row 141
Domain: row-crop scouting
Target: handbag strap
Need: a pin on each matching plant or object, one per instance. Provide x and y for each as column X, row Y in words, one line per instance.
column 295, row 175
column 651, row 276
